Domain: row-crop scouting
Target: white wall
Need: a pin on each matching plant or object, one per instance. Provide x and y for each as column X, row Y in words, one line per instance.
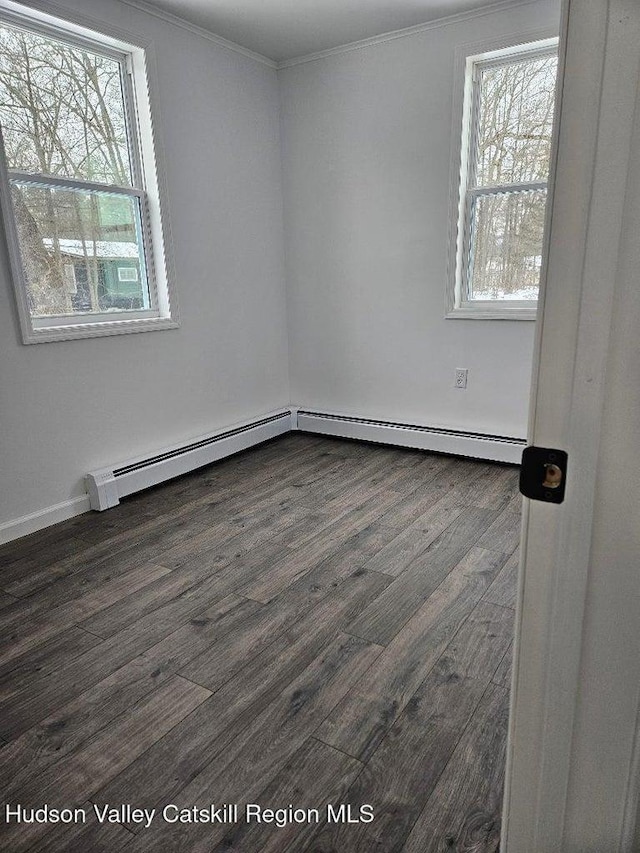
column 67, row 408
column 367, row 137
column 366, row 156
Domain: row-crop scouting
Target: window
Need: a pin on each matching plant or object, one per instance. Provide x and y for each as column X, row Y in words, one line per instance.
column 506, row 146
column 127, row 274
column 80, row 201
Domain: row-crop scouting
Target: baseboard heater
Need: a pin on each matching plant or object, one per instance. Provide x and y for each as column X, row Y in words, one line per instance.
column 107, row 485
column 476, row 445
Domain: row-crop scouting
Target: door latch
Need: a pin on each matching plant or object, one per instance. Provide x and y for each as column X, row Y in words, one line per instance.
column 543, row 474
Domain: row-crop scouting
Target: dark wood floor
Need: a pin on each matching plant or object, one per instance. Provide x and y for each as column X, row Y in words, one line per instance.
column 311, row 622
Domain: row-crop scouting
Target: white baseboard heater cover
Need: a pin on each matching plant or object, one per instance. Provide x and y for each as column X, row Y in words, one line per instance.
column 476, row 445
column 107, row 485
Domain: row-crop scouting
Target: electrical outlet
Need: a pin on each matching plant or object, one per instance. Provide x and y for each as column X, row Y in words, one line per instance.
column 461, row 377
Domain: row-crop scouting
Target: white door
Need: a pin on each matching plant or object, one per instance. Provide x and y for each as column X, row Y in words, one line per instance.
column 573, row 758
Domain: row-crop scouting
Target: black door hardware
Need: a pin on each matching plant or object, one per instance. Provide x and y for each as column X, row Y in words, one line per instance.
column 543, row 474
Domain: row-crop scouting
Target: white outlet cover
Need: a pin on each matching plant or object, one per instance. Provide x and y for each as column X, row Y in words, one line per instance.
column 461, row 377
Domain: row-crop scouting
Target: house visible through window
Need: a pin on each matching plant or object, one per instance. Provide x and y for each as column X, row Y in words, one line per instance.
column 509, row 103
column 79, row 210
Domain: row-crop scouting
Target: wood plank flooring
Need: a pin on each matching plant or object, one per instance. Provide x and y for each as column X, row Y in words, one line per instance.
column 312, row 622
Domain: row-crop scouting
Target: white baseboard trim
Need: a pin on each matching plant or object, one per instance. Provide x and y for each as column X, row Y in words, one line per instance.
column 108, row 488
column 18, row 527
column 107, row 485
column 458, row 443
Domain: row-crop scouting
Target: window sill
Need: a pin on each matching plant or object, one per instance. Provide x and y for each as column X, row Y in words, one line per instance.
column 71, row 331
column 491, row 313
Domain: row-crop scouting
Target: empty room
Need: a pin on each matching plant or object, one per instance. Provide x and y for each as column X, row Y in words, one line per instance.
column 318, row 424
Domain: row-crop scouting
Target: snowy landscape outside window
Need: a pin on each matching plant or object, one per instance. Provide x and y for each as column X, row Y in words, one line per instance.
column 78, row 205
column 509, row 103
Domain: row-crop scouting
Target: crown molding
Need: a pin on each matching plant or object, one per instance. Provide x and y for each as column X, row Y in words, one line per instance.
column 436, row 23
column 177, row 21
column 182, row 23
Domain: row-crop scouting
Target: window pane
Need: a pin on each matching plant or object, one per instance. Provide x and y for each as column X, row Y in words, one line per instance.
column 61, row 109
column 506, row 245
column 81, row 251
column 515, row 121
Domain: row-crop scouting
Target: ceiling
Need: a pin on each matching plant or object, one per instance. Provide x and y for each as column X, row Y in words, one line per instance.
column 285, row 29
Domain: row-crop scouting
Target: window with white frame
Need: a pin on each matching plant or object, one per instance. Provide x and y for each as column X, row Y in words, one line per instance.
column 82, row 220
column 506, row 146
